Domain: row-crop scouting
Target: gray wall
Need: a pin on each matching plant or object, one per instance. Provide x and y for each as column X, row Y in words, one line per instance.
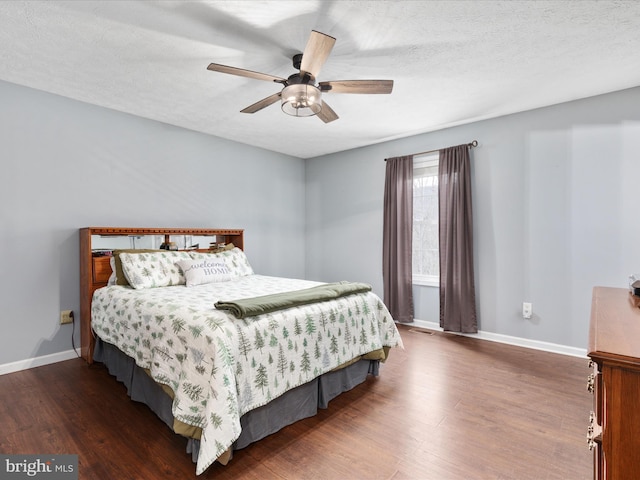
column 555, row 213
column 67, row 165
column 554, row 196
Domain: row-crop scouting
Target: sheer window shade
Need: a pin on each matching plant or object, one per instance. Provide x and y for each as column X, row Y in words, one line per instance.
column 425, row 260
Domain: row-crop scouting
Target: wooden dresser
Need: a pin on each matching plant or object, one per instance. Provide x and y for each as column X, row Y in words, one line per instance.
column 614, row 349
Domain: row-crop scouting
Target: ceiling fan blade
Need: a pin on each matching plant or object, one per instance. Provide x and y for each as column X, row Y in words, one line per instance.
column 241, row 72
column 327, row 114
column 357, row 86
column 265, row 102
column 316, row 53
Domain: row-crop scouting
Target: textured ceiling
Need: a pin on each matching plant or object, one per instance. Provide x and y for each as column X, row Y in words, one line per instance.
column 452, row 62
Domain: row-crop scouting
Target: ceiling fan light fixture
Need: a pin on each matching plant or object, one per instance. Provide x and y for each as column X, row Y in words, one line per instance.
column 301, row 96
column 301, row 100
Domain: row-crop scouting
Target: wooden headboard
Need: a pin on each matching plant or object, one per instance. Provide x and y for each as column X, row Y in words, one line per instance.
column 95, row 270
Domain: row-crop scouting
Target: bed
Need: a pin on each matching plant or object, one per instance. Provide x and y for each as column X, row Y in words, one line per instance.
column 223, row 355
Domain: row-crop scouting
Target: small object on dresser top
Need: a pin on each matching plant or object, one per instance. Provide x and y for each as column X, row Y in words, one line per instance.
column 100, row 252
column 634, row 284
column 634, row 299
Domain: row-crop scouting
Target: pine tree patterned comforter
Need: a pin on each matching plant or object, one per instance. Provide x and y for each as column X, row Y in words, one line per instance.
column 221, row 367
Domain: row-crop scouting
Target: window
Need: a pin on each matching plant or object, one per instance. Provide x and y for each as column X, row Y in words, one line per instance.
column 425, row 258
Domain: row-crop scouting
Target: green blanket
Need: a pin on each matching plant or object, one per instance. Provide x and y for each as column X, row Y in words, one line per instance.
column 247, row 307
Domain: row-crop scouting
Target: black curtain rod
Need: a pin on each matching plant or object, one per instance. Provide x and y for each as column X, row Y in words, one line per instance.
column 470, row 145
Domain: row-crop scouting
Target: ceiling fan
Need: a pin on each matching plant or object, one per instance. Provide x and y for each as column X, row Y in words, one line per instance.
column 300, row 96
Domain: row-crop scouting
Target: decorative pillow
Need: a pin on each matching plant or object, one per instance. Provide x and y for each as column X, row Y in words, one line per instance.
column 121, row 279
column 198, row 272
column 153, row 269
column 236, row 260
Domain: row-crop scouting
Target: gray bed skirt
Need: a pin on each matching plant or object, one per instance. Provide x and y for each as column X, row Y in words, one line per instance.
column 301, row 402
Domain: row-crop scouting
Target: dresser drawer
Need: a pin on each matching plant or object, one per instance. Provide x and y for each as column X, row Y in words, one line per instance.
column 101, row 269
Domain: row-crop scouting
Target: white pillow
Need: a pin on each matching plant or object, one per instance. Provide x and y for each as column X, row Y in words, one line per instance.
column 153, row 269
column 236, row 260
column 198, row 272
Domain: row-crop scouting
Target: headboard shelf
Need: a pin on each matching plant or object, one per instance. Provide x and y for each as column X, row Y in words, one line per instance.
column 95, row 270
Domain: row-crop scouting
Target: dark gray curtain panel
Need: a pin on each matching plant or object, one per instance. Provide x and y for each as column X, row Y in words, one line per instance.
column 457, row 285
column 397, row 238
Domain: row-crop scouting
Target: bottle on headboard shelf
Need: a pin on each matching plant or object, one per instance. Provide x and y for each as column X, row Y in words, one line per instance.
column 169, row 246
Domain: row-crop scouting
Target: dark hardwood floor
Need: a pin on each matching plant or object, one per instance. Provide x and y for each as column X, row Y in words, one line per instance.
column 445, row 408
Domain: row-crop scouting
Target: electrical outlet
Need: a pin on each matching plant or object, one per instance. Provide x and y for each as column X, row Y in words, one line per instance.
column 527, row 310
column 66, row 316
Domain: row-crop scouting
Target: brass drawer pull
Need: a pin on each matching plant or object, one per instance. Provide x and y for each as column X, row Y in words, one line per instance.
column 593, row 431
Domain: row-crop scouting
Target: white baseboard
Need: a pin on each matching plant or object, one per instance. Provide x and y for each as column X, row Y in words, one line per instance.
column 37, row 362
column 497, row 337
